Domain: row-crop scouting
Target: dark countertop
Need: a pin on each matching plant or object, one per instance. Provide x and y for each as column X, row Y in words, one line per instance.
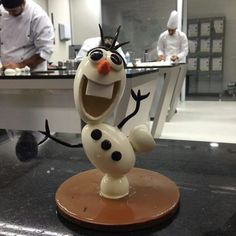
column 67, row 74
column 206, row 178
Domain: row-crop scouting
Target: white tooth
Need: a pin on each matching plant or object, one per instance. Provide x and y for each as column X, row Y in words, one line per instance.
column 98, row 90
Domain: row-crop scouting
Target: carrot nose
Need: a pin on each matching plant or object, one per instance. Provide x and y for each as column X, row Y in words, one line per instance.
column 103, row 67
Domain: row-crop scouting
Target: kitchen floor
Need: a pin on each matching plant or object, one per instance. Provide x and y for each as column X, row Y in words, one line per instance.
column 210, row 121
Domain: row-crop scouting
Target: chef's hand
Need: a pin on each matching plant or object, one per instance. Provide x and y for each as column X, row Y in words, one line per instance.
column 161, row 58
column 11, row 65
column 174, row 58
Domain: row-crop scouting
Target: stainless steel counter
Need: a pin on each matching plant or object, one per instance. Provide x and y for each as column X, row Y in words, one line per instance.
column 28, row 100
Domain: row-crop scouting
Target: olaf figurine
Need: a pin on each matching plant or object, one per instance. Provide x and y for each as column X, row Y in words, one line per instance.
column 98, row 87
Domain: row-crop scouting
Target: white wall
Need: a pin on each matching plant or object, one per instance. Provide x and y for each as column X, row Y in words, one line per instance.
column 61, row 15
column 85, row 17
column 43, row 4
column 213, row 8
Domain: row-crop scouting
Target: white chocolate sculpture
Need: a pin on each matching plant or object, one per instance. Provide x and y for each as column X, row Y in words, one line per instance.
column 98, row 87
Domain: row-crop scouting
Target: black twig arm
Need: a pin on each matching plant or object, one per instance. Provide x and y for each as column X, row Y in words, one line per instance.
column 43, row 140
column 138, row 98
column 48, row 135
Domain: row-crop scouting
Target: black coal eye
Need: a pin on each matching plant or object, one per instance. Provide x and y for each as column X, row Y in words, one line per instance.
column 116, row 59
column 96, row 134
column 116, row 156
column 96, row 55
column 106, row 144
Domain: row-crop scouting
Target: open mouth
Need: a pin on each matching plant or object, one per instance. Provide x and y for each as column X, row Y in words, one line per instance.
column 98, row 99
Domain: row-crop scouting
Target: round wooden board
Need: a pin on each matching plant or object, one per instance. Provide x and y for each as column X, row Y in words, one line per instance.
column 153, row 198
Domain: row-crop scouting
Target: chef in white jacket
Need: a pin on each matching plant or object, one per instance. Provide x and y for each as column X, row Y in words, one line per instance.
column 91, row 43
column 173, row 43
column 26, row 39
column 26, row 35
column 172, row 46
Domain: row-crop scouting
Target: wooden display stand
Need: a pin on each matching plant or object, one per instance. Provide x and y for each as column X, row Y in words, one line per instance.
column 153, row 198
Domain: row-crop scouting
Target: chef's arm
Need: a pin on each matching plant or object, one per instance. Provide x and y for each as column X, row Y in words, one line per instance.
column 160, row 50
column 31, row 62
column 184, row 48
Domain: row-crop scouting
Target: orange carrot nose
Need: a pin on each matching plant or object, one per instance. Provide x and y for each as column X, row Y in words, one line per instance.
column 103, row 67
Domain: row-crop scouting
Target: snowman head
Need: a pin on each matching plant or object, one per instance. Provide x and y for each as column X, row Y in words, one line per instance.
column 99, row 82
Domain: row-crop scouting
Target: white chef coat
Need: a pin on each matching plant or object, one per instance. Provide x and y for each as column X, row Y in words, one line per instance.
column 90, row 44
column 176, row 44
column 25, row 35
